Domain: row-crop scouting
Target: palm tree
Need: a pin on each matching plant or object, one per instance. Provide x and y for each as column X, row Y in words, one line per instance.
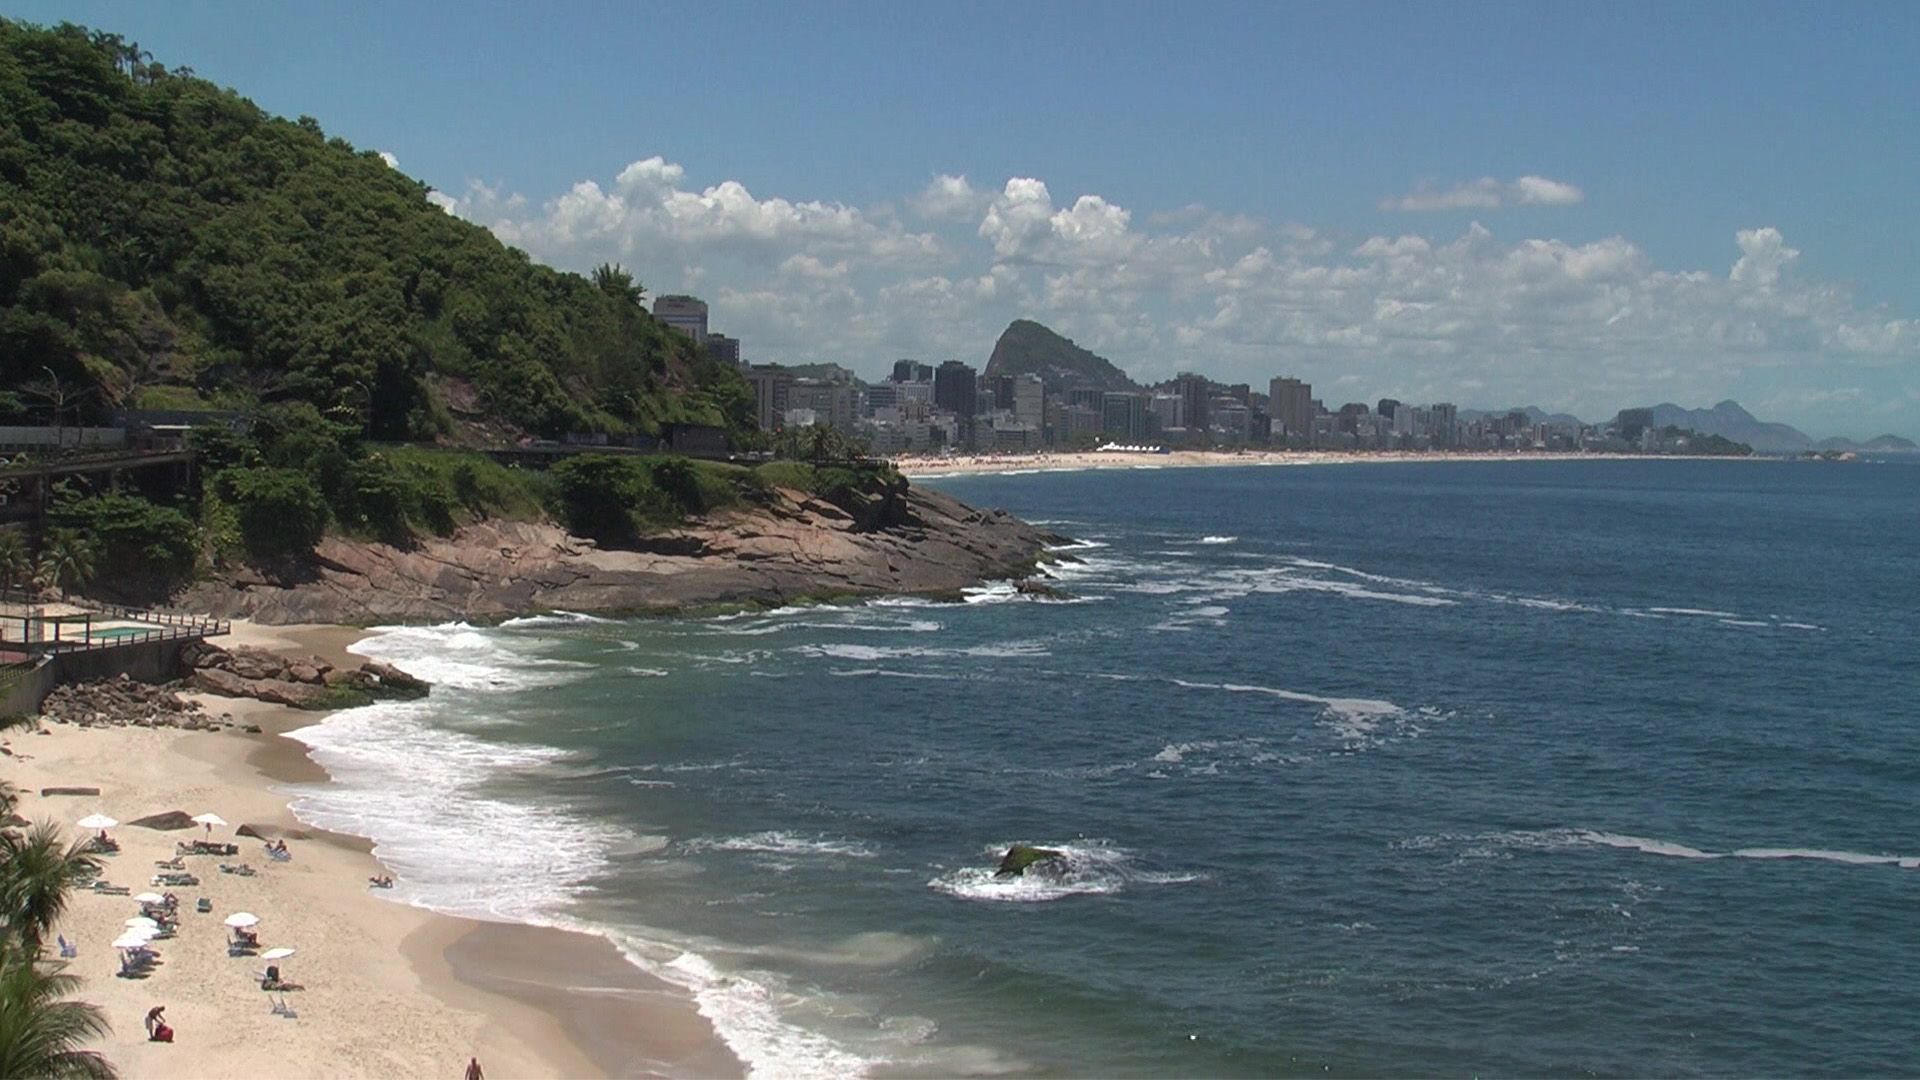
column 66, row 560
column 16, row 562
column 37, row 875
column 39, row 1031
column 611, row 279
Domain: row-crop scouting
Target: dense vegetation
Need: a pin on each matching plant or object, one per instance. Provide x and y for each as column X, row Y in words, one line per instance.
column 165, row 244
column 168, row 244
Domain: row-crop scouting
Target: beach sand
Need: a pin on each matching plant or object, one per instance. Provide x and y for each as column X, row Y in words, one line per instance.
column 391, row 990
column 967, row 465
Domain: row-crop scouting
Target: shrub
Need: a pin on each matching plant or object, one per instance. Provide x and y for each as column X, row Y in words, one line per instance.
column 280, row 511
column 140, row 547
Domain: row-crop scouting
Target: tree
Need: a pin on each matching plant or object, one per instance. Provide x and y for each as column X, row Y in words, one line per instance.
column 280, row 511
column 40, row 1031
column 37, row 874
column 611, row 279
column 16, row 561
column 139, row 547
column 66, row 561
column 59, row 397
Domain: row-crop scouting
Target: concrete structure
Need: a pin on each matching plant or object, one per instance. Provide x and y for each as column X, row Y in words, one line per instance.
column 1195, row 400
column 1291, row 403
column 724, row 349
column 956, row 388
column 833, row 402
column 1123, row 416
column 687, row 314
column 911, row 371
column 771, row 387
column 1167, row 412
column 1029, row 400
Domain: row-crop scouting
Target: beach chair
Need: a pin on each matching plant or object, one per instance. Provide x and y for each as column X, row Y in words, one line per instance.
column 67, row 949
column 203, row 905
column 279, row 856
column 281, row 1008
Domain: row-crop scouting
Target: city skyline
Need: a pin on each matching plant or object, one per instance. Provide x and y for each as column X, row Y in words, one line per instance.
column 1713, row 205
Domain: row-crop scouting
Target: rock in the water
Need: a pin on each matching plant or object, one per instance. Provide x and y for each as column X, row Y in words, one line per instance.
column 1022, row 857
column 395, row 681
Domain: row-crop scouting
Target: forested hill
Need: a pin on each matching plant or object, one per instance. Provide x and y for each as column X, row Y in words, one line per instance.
column 165, row 243
column 1028, row 348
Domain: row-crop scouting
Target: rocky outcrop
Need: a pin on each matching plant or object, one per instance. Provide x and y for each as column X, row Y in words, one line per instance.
column 122, row 702
column 304, row 682
column 793, row 546
column 1021, row 858
column 171, row 821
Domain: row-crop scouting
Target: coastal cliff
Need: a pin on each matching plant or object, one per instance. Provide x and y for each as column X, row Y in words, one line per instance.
column 790, row 546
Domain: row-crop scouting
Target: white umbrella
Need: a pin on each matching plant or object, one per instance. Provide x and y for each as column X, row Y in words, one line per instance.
column 95, row 821
column 209, row 820
column 131, row 940
column 276, row 954
column 149, row 898
column 240, row 920
column 142, row 922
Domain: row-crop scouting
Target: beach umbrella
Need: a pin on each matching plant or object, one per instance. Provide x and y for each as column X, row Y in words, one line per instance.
column 276, row 954
column 240, row 920
column 149, row 898
column 131, row 940
column 209, row 820
column 95, row 821
column 139, row 922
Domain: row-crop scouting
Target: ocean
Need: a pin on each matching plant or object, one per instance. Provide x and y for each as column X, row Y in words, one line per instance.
column 1528, row 768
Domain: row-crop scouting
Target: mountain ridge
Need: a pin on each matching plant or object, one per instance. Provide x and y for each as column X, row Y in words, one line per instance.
column 1026, row 347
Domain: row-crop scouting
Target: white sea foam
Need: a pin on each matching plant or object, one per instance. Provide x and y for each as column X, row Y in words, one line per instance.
column 1562, row 839
column 420, row 793
column 855, row 651
column 1090, row 868
column 782, row 843
column 555, row 618
column 465, row 658
column 1705, row 613
column 883, row 673
column 1749, row 623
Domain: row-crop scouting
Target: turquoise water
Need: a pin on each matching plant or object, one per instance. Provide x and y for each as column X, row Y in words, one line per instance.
column 1528, row 768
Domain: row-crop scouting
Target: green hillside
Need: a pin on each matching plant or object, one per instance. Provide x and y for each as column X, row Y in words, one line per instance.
column 1028, row 348
column 165, row 243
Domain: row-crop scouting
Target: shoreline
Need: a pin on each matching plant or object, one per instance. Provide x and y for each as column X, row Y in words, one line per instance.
column 938, row 468
column 394, row 989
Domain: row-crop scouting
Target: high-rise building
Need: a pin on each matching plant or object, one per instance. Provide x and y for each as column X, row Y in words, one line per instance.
column 687, row 314
column 1195, row 399
column 1444, row 423
column 724, row 349
column 909, row 371
column 1387, row 407
column 1166, row 412
column 832, row 403
column 1029, row 399
column 1124, row 416
column 771, row 386
column 1291, row 403
column 1086, row 397
column 956, row 388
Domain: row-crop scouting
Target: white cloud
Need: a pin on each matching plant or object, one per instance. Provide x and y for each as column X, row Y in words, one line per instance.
column 1488, row 193
column 1763, row 254
column 1475, row 318
column 949, row 198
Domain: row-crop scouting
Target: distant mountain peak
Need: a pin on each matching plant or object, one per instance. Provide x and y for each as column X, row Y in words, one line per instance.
column 1030, row 348
column 1730, row 420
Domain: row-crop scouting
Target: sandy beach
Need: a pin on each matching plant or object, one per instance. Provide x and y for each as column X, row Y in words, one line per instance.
column 389, row 990
column 924, row 467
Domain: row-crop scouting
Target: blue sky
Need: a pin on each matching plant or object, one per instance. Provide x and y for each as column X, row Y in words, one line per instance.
column 1583, row 206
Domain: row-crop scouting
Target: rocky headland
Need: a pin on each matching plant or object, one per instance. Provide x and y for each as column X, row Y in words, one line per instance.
column 790, row 546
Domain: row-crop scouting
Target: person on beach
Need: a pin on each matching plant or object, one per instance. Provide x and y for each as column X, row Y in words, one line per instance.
column 157, row 1029
column 473, row 1070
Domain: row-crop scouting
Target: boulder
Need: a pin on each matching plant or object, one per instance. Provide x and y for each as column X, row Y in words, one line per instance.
column 272, row 832
column 171, row 821
column 1023, row 857
column 69, row 791
column 395, row 681
column 279, row 691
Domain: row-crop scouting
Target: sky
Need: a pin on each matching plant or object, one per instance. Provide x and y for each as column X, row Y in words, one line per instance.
column 1579, row 206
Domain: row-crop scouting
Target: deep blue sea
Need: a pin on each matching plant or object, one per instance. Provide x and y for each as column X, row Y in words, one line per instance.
column 1533, row 768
